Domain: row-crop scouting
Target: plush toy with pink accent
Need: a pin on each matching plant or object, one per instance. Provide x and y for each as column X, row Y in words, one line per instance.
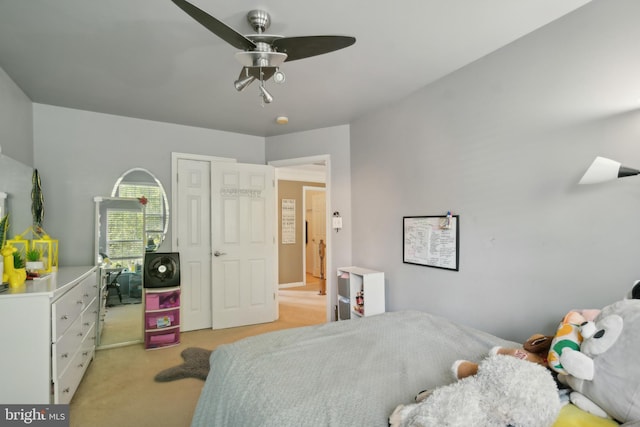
column 605, row 373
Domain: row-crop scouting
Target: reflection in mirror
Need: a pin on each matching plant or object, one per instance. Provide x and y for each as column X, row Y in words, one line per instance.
column 143, row 185
column 15, row 181
column 119, row 253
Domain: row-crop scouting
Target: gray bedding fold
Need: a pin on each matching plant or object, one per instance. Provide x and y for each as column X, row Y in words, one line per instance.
column 348, row 373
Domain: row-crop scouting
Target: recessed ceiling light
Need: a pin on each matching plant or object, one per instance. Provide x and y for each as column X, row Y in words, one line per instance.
column 282, row 120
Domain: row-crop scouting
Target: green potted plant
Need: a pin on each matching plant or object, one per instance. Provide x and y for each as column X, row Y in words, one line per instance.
column 18, row 261
column 19, row 275
column 34, row 262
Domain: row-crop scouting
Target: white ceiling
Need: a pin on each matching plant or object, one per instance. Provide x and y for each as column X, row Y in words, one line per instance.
column 148, row 59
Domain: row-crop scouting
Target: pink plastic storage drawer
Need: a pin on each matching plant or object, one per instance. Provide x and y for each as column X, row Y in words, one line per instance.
column 162, row 319
column 162, row 338
column 157, row 301
column 152, row 302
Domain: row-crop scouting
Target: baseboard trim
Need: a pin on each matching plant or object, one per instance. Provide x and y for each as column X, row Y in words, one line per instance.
column 290, row 285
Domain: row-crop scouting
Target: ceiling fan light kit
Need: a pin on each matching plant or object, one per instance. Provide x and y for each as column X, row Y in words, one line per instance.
column 266, row 96
column 262, row 54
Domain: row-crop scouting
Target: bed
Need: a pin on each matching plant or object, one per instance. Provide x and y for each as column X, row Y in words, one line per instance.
column 347, row 373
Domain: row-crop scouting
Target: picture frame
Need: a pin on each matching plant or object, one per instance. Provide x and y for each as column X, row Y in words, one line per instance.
column 431, row 241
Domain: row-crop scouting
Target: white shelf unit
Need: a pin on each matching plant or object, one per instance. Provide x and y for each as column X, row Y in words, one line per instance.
column 360, row 292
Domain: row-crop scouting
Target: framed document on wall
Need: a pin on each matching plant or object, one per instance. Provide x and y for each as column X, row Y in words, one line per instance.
column 432, row 241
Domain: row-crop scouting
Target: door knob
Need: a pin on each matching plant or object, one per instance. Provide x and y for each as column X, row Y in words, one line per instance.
column 218, row 253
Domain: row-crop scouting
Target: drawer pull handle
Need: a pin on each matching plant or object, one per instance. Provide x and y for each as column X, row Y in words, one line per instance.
column 64, row 356
column 79, row 334
column 87, row 324
column 66, row 390
column 81, row 365
column 64, row 317
column 84, row 353
column 86, row 295
column 79, row 302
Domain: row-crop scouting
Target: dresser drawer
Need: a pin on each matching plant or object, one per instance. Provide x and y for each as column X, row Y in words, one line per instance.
column 64, row 349
column 65, row 311
column 90, row 315
column 65, row 385
column 90, row 289
column 88, row 346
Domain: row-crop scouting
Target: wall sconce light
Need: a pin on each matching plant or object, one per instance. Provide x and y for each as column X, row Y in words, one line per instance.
column 603, row 169
column 336, row 221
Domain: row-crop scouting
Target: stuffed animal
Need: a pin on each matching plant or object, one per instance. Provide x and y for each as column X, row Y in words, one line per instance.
column 541, row 349
column 605, row 373
column 505, row 391
column 634, row 293
column 534, row 350
column 567, row 336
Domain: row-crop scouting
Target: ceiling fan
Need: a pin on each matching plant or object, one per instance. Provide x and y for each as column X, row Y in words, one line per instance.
column 262, row 54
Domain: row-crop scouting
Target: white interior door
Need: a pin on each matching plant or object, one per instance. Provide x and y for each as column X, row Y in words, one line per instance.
column 244, row 245
column 193, row 242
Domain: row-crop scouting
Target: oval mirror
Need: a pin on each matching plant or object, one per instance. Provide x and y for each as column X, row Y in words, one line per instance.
column 143, row 185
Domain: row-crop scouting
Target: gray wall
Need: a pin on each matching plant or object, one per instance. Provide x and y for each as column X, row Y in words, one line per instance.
column 16, row 122
column 503, row 143
column 81, row 154
column 332, row 141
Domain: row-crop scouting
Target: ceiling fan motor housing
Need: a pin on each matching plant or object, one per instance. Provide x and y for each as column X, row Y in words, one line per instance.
column 259, row 20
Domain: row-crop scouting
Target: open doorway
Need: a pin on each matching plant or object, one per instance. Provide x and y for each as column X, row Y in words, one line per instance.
column 303, row 202
column 315, row 238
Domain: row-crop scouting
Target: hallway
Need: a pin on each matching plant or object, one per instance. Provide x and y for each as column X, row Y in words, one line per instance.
column 307, row 297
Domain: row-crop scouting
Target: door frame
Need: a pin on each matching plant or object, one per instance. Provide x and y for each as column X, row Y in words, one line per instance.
column 326, row 158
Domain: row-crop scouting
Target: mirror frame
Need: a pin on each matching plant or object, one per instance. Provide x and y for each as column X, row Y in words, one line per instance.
column 115, row 193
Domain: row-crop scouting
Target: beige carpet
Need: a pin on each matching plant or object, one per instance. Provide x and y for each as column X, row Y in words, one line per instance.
column 119, row 390
column 122, row 323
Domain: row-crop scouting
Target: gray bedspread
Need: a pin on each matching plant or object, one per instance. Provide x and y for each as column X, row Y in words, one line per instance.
column 348, row 373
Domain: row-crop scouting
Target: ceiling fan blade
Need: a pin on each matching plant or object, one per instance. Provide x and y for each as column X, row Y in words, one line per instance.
column 217, row 27
column 306, row 46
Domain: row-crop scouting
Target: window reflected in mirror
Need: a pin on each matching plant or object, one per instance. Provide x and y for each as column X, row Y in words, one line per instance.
column 143, row 185
column 125, row 237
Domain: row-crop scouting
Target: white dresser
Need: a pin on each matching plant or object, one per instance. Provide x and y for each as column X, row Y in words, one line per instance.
column 48, row 336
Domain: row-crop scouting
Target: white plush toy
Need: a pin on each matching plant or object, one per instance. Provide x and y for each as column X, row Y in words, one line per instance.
column 506, row 391
column 605, row 373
